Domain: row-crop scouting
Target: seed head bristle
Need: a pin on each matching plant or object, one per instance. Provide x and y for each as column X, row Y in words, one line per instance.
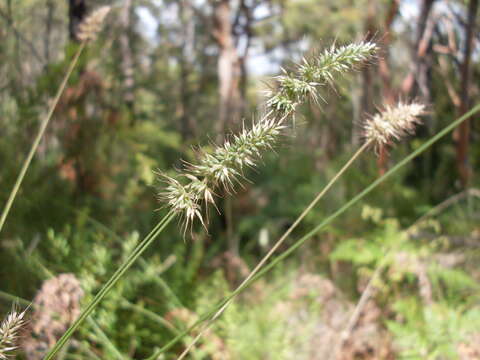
column 9, row 330
column 296, row 87
column 222, row 168
column 91, row 26
column 393, row 123
column 185, row 200
column 225, row 165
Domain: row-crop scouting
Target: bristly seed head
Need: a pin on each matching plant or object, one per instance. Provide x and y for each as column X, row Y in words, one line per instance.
column 219, row 169
column 91, row 26
column 195, row 186
column 393, row 123
column 224, row 166
column 9, row 330
column 184, row 200
column 295, row 88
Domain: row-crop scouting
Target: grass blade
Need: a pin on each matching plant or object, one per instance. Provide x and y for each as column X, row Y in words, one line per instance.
column 110, row 283
column 36, row 142
column 323, row 224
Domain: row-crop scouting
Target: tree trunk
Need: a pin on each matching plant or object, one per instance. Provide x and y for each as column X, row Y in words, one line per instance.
column 367, row 78
column 248, row 33
column 418, row 77
column 383, row 61
column 48, row 29
column 185, row 59
column 127, row 59
column 389, row 96
column 228, row 68
column 418, row 82
column 463, row 131
column 76, row 12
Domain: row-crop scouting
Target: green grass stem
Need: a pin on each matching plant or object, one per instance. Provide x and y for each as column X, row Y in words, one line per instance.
column 36, row 142
column 322, row 225
column 110, row 283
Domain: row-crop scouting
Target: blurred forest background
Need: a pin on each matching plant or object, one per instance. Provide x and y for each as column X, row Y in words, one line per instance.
column 166, row 77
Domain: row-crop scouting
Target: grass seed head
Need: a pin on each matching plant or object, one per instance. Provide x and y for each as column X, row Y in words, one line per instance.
column 9, row 331
column 91, row 26
column 393, row 123
column 296, row 87
column 222, row 168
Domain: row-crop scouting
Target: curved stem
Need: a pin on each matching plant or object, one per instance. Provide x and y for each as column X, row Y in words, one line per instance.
column 279, row 242
column 110, row 283
column 325, row 222
column 352, row 321
column 39, row 136
column 369, row 289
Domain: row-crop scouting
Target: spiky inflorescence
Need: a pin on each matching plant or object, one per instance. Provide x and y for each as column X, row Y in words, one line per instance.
column 9, row 330
column 222, row 168
column 91, row 26
column 295, row 88
column 226, row 163
column 393, row 123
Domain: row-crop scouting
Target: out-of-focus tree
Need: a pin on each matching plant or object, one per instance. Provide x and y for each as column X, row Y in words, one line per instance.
column 76, row 13
column 463, row 132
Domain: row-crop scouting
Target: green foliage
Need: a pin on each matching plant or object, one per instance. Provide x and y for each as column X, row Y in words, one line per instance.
column 424, row 325
column 433, row 332
column 95, row 166
column 264, row 326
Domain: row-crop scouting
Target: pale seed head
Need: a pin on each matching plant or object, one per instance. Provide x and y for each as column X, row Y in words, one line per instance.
column 225, row 165
column 313, row 73
column 9, row 331
column 91, row 26
column 222, row 168
column 393, row 123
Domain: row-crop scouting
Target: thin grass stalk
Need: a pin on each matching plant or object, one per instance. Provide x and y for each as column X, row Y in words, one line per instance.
column 151, row 315
column 27, row 303
column 110, row 283
column 279, row 242
column 143, row 263
column 158, row 279
column 14, row 298
column 366, row 294
column 323, row 224
column 468, row 193
column 105, row 339
column 36, row 142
